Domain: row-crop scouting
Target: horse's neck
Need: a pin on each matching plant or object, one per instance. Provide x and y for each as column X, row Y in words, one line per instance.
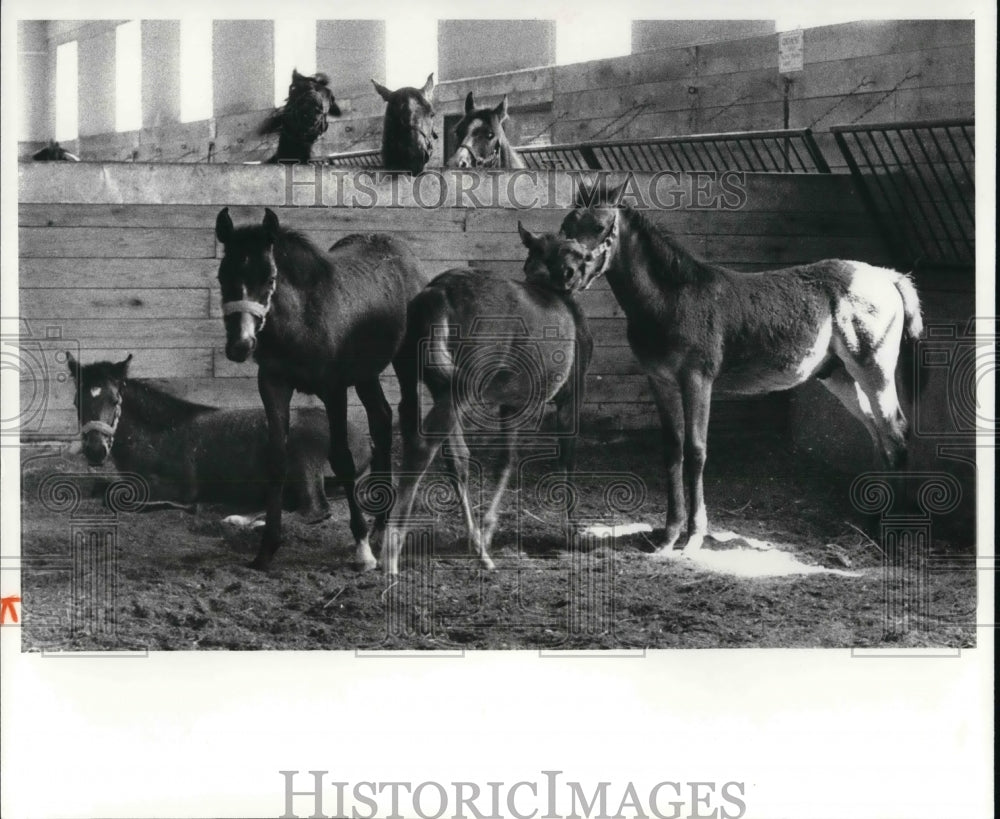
column 147, row 408
column 629, row 276
column 150, row 418
column 510, row 158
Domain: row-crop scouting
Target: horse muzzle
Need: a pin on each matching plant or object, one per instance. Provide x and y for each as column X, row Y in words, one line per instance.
column 242, row 334
column 241, row 349
column 96, row 448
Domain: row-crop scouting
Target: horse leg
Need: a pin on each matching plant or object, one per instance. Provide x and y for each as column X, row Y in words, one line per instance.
column 416, row 459
column 277, row 396
column 506, row 466
column 850, row 394
column 567, row 407
column 877, row 381
column 405, row 367
column 697, row 406
column 458, row 456
column 342, row 463
column 380, row 426
column 670, row 405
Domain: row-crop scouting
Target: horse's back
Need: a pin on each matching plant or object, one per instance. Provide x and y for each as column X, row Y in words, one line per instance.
column 377, row 258
column 478, row 296
column 462, row 312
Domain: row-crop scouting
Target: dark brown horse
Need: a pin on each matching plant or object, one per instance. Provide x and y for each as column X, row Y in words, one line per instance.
column 54, row 152
column 408, row 133
column 302, row 119
column 696, row 327
column 482, row 142
column 490, row 380
column 318, row 323
column 191, row 453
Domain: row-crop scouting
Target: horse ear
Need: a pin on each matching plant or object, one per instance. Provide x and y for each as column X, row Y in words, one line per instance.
column 72, row 365
column 296, row 76
column 428, row 89
column 271, row 224
column 224, row 226
column 470, row 104
column 383, row 92
column 501, row 110
column 121, row 368
column 528, row 239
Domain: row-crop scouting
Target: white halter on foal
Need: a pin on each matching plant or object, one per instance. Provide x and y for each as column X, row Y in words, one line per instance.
column 605, row 248
column 254, row 308
column 105, row 429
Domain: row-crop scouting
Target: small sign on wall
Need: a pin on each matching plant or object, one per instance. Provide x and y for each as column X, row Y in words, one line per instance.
column 790, row 51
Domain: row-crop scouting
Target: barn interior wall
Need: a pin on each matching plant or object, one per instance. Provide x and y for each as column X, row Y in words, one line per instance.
column 122, row 258
column 872, row 71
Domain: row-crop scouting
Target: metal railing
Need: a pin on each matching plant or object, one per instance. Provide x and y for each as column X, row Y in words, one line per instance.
column 918, row 182
column 776, row 151
column 371, row 158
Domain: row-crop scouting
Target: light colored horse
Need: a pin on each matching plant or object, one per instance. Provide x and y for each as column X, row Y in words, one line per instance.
column 482, row 142
column 696, row 327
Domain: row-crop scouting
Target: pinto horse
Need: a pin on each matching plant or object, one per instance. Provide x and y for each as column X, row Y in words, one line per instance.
column 408, row 133
column 696, row 327
column 302, row 119
column 482, row 142
column 191, row 452
column 318, row 323
column 498, row 379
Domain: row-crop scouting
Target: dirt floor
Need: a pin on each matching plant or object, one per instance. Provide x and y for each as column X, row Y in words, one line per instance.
column 803, row 572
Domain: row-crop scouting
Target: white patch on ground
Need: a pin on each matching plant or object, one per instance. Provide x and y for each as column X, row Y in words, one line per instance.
column 598, row 530
column 244, row 522
column 750, row 557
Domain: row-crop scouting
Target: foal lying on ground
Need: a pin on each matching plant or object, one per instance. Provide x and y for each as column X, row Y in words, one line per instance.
column 491, row 352
column 191, row 452
column 695, row 327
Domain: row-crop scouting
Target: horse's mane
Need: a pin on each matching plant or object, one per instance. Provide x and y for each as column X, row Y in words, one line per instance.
column 675, row 261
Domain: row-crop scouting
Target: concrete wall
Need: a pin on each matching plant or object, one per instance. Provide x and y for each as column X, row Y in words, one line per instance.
column 161, row 84
column 477, row 48
column 650, row 35
column 38, row 117
column 242, row 66
column 97, row 76
column 352, row 53
column 872, row 71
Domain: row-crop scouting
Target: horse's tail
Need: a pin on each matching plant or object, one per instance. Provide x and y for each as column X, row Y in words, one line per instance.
column 914, row 327
column 422, row 356
column 912, row 330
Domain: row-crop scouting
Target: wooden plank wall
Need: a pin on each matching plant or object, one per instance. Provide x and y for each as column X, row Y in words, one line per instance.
column 871, row 71
column 123, row 258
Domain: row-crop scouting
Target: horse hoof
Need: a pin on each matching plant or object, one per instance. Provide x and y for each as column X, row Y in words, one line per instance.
column 488, row 564
column 694, row 543
column 260, row 564
column 367, row 565
column 665, row 552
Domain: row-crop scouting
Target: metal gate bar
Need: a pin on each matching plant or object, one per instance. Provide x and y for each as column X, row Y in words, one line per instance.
column 918, row 181
column 776, row 151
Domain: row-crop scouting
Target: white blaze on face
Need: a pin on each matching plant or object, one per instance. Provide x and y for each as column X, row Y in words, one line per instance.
column 248, row 323
column 95, row 391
